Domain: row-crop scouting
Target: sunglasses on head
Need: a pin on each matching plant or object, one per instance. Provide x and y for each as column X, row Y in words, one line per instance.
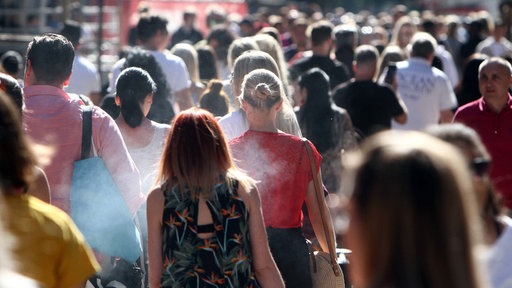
column 480, row 166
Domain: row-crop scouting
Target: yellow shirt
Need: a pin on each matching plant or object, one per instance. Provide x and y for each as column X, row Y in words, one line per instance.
column 47, row 247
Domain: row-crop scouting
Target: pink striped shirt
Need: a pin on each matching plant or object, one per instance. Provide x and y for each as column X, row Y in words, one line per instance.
column 54, row 119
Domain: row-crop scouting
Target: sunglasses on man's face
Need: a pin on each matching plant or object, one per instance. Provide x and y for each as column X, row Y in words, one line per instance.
column 480, row 166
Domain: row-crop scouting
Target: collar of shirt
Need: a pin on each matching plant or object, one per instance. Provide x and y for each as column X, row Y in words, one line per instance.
column 36, row 90
column 482, row 106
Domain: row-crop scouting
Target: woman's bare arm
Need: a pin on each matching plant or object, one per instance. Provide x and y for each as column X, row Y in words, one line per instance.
column 264, row 266
column 155, row 207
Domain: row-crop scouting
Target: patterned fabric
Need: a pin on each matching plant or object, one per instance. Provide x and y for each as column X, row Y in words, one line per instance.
column 224, row 260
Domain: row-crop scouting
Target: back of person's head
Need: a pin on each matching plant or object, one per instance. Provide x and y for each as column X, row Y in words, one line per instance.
column 320, row 32
column 272, row 31
column 411, row 223
column 247, row 62
column 188, row 53
column 316, row 112
column 239, row 46
column 316, row 81
column 72, row 31
column 220, row 37
column 366, row 55
column 17, row 160
column 346, row 35
column 51, row 58
column 214, row 99
column 262, row 89
column 273, row 48
column 133, row 86
column 148, row 26
column 11, row 62
column 207, row 63
column 196, row 153
column 12, row 88
column 423, row 45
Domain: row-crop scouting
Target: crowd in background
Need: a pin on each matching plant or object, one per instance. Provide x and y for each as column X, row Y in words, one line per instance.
column 421, row 201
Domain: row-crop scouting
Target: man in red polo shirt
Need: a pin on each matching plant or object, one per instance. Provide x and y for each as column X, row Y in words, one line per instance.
column 491, row 117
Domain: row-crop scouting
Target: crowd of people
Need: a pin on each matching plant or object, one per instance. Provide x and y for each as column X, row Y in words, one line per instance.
column 407, row 114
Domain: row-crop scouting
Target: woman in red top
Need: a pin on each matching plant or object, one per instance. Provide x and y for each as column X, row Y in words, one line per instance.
column 280, row 164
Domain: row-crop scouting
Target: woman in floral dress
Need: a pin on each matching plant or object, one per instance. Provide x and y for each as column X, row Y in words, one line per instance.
column 205, row 222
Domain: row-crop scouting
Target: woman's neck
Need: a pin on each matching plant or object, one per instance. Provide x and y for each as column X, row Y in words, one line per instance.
column 262, row 124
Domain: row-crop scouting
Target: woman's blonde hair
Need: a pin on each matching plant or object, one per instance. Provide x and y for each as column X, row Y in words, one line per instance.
column 412, row 198
column 262, row 89
column 188, row 53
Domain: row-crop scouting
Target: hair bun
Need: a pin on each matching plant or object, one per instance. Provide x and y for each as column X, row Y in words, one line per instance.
column 262, row 91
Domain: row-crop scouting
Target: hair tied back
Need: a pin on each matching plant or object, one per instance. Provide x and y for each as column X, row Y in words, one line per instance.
column 262, row 91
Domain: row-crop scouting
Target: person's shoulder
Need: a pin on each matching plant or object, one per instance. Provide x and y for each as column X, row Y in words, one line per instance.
column 339, row 111
column 86, row 63
column 160, row 126
column 467, row 109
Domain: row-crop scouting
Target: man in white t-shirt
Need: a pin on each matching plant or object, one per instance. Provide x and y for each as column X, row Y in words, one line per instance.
column 85, row 79
column 425, row 90
column 153, row 35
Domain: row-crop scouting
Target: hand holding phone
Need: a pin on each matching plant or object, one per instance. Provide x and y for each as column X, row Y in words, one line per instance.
column 390, row 75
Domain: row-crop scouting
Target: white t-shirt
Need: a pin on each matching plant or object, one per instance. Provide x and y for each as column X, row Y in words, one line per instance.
column 85, row 78
column 425, row 90
column 499, row 258
column 172, row 66
column 234, row 124
column 147, row 158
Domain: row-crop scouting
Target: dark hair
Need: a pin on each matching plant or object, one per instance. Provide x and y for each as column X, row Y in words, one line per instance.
column 366, row 54
column 12, row 88
column 214, row 99
column 207, row 63
column 51, row 58
column 147, row 27
column 132, row 87
column 321, row 31
column 316, row 111
column 72, row 31
column 16, row 158
column 161, row 110
column 423, row 45
column 11, row 62
column 224, row 38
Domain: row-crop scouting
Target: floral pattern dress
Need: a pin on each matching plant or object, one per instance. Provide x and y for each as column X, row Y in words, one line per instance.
column 224, row 260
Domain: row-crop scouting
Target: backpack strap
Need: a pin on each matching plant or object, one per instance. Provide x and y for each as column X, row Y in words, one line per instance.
column 86, row 131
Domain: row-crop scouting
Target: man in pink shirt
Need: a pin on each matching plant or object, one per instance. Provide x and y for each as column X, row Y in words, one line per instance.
column 53, row 119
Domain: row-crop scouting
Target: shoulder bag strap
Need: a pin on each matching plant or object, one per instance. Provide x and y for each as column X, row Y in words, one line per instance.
column 320, row 198
column 86, row 131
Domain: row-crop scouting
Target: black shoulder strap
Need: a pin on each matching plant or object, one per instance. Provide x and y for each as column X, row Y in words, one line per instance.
column 86, row 131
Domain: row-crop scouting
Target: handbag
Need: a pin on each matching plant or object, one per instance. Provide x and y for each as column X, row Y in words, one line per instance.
column 325, row 271
column 97, row 207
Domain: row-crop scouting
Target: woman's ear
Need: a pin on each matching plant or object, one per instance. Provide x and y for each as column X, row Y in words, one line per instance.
column 278, row 105
column 118, row 101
